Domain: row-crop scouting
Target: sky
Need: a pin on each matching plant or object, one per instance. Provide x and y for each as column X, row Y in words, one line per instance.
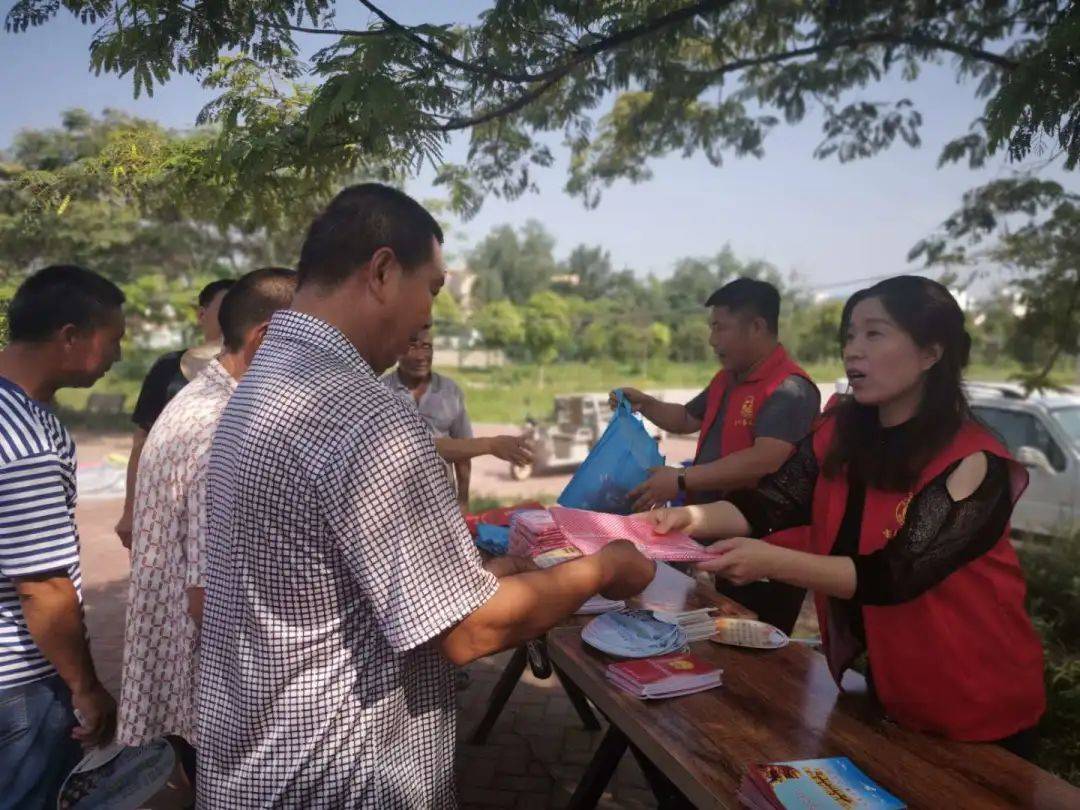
column 829, row 222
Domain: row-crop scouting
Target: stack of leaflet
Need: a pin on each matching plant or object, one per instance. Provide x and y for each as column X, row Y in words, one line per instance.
column 591, row 531
column 594, row 604
column 633, row 634
column 533, row 531
column 664, row 677
column 697, row 624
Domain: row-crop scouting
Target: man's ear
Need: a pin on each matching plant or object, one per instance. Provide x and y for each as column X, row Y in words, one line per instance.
column 67, row 334
column 382, row 269
column 254, row 339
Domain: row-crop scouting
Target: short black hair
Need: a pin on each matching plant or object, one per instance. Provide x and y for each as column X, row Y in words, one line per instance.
column 360, row 220
column 206, row 295
column 760, row 298
column 59, row 295
column 252, row 299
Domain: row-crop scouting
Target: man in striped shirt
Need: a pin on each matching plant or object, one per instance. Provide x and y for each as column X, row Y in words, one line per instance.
column 65, row 325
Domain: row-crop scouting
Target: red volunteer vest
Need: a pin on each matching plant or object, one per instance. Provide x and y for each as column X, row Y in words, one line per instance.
column 961, row 660
column 745, row 401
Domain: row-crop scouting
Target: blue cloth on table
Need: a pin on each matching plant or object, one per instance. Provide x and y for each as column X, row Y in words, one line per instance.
column 492, row 539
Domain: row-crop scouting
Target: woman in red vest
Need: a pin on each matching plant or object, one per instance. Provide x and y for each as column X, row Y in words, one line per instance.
column 908, row 501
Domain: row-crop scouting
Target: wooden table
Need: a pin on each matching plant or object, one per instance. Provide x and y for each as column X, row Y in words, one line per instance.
column 783, row 705
column 669, row 589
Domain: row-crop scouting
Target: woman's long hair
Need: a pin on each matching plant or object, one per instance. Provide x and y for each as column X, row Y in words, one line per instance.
column 926, row 311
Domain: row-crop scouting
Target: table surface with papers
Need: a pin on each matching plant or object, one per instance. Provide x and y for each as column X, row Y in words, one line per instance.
column 777, row 705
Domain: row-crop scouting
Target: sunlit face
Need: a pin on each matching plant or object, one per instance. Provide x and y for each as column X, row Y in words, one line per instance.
column 731, row 338
column 416, row 362
column 89, row 353
column 408, row 297
column 882, row 361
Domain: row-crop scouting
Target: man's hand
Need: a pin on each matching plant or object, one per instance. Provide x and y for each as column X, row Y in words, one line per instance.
column 661, row 486
column 98, row 711
column 627, row 572
column 742, row 559
column 635, row 397
column 508, row 565
column 517, row 450
column 668, row 519
column 123, row 528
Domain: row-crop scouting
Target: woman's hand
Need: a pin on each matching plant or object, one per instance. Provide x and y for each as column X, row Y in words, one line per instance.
column 742, row 559
column 668, row 519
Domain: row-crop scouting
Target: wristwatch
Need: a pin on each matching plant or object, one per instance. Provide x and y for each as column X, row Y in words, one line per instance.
column 682, row 480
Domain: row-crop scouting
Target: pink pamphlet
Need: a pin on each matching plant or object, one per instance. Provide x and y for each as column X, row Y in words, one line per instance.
column 591, row 531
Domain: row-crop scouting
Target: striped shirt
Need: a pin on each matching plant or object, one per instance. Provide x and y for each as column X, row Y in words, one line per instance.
column 37, row 521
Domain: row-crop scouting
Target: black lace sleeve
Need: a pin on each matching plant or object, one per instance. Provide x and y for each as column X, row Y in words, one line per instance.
column 939, row 536
column 782, row 500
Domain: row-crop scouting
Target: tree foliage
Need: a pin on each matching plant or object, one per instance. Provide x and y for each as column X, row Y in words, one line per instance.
column 620, row 82
column 512, row 264
column 1031, row 227
column 67, row 196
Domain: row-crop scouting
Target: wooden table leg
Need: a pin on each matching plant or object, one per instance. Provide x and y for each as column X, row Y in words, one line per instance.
column 580, row 703
column 668, row 796
column 500, row 695
column 601, row 769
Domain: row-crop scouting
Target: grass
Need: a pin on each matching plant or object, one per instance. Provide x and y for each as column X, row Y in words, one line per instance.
column 508, row 394
column 504, row 395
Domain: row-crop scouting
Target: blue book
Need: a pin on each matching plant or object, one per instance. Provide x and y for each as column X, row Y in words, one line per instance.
column 814, row 784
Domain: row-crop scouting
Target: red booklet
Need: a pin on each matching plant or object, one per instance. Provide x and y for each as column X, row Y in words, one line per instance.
column 665, row 676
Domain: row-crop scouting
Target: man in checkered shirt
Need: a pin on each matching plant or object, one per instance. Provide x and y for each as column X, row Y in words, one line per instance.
column 342, row 579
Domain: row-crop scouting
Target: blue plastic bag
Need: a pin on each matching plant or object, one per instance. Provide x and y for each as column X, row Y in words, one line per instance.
column 492, row 539
column 618, row 463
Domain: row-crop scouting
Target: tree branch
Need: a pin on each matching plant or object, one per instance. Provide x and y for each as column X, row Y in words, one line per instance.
column 553, row 77
column 969, row 51
column 575, row 57
column 510, row 108
column 301, row 29
column 429, row 46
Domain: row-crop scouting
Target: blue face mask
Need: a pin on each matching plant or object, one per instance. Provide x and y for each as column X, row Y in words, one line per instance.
column 633, row 634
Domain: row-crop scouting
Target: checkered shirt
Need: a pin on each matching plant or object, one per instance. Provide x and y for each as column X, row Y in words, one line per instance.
column 336, row 555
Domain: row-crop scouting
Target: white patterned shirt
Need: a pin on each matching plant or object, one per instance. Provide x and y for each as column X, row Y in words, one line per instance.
column 337, row 555
column 167, row 557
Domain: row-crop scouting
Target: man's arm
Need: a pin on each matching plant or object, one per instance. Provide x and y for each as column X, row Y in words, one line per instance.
column 412, row 557
column 463, row 472
column 515, row 449
column 668, row 416
column 786, row 417
column 529, row 604
column 740, row 470
column 123, row 526
column 54, row 618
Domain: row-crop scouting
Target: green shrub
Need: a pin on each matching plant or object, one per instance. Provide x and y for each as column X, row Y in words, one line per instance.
column 1053, row 576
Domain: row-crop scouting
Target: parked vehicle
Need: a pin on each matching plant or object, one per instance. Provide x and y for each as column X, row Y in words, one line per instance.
column 1042, row 431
